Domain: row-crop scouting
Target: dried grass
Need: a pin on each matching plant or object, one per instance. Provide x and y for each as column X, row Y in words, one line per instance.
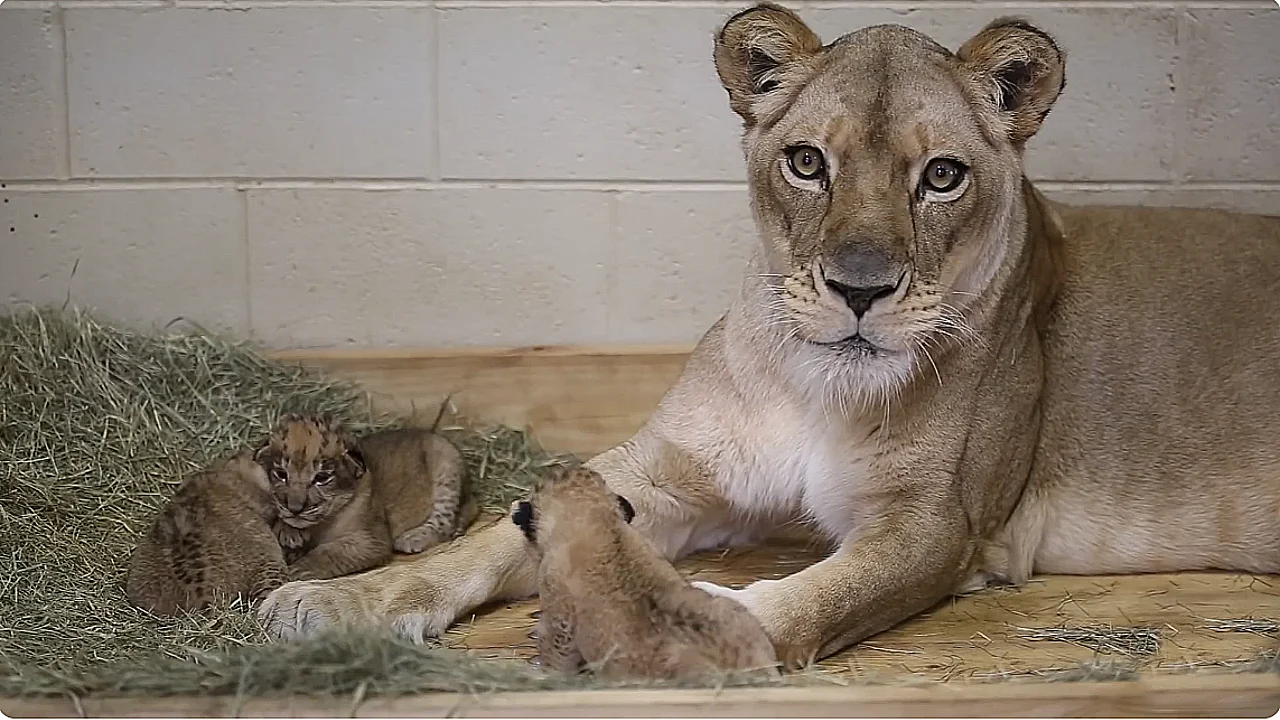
column 97, row 425
column 1102, row 639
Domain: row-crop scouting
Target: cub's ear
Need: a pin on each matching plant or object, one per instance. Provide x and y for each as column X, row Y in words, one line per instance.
column 522, row 516
column 356, row 458
column 260, row 452
column 753, row 52
column 628, row 512
column 1021, row 69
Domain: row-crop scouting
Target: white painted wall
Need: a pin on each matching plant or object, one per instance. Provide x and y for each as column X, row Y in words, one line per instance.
column 504, row 172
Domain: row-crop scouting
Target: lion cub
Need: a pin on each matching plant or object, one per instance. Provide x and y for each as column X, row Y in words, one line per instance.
column 611, row 601
column 212, row 540
column 343, row 506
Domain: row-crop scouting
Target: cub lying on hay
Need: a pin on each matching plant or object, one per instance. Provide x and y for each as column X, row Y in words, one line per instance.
column 610, row 600
column 310, row 503
column 344, row 506
column 213, row 539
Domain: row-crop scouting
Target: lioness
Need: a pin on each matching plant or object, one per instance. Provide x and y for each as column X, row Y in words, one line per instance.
column 953, row 378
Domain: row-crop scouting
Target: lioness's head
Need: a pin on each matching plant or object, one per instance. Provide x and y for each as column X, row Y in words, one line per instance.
column 885, row 170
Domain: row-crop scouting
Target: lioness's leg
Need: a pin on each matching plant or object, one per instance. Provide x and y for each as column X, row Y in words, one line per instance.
column 900, row 566
column 423, row 597
column 419, row 598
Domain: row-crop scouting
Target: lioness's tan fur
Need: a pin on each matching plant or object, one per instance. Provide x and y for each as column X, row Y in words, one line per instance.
column 1034, row 387
column 611, row 602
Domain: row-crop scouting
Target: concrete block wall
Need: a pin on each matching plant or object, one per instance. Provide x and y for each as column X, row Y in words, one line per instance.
column 509, row 172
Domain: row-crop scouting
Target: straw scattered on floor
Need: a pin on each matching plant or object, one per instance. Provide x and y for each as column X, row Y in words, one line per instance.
column 97, row 425
column 1105, row 640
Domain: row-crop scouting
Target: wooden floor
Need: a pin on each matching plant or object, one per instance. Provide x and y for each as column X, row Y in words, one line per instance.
column 1160, row 624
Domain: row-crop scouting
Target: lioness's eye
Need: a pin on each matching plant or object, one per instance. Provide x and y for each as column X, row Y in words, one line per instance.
column 943, row 175
column 806, row 162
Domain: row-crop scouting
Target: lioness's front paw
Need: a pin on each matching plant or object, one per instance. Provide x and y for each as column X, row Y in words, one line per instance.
column 301, row 608
column 418, row 627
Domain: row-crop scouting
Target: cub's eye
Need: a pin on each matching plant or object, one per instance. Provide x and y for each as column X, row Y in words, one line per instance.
column 942, row 175
column 324, row 477
column 806, row 162
column 279, row 475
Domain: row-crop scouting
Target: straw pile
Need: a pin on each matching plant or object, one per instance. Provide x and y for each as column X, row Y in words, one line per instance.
column 97, row 425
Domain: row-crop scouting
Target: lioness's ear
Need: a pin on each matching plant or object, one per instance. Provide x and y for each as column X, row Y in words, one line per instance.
column 1021, row 68
column 753, row 50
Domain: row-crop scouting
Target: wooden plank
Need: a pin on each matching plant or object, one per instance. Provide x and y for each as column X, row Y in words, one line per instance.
column 576, row 399
column 1191, row 696
column 989, row 635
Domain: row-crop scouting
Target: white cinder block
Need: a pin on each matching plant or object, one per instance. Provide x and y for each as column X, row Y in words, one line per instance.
column 1116, row 118
column 301, row 91
column 428, row 268
column 31, row 142
column 1229, row 81
column 1255, row 200
column 142, row 257
column 587, row 93
column 679, row 263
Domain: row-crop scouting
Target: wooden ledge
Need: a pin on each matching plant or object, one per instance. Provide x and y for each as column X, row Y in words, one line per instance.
column 579, row 399
column 1156, row 696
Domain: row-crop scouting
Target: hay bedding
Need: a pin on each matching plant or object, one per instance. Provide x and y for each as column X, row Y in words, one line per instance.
column 97, row 425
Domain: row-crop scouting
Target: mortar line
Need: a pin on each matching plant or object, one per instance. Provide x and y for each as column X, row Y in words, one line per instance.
column 726, row 5
column 608, row 185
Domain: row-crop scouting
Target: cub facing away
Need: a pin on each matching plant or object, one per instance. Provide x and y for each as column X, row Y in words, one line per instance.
column 611, row 601
column 344, row 505
column 212, row 541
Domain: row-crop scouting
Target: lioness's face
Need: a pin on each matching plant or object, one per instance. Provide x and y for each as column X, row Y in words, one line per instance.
column 885, row 171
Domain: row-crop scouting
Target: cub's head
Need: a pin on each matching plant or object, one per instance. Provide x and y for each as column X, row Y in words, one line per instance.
column 574, row 497
column 313, row 468
column 885, row 172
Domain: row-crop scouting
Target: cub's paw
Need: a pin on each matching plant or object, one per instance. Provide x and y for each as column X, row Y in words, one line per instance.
column 303, row 608
column 290, row 538
column 419, row 539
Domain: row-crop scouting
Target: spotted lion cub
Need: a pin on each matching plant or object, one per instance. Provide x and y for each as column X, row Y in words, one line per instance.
column 611, row 601
column 212, row 540
column 345, row 505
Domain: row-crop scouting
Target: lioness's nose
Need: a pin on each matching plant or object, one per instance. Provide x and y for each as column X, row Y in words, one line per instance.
column 859, row 299
column 862, row 275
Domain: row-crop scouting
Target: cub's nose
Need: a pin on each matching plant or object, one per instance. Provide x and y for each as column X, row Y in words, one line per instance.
column 296, row 503
column 859, row 299
column 860, row 275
